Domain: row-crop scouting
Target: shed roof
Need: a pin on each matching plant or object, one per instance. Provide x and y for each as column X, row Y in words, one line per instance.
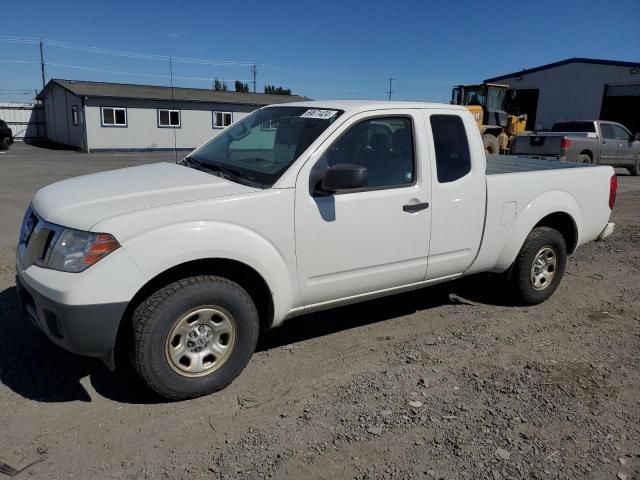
column 595, row 61
column 83, row 88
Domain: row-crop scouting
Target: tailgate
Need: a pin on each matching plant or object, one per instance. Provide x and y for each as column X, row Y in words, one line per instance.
column 537, row 144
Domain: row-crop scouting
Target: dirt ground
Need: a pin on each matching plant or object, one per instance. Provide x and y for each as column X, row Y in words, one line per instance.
column 444, row 382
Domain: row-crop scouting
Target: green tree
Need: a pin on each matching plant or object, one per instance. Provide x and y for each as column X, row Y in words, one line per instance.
column 242, row 87
column 273, row 90
column 219, row 86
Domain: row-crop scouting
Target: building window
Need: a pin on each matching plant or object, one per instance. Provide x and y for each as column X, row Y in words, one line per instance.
column 114, row 117
column 168, row 118
column 270, row 125
column 75, row 119
column 222, row 119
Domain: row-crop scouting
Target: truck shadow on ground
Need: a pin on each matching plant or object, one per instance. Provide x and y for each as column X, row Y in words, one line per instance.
column 35, row 368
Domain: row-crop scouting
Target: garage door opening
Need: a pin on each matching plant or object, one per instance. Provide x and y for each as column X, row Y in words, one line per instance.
column 621, row 103
column 526, row 102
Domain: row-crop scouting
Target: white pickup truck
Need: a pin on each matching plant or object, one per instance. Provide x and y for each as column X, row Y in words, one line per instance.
column 296, row 208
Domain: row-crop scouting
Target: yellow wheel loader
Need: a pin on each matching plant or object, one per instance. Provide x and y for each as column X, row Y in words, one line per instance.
column 491, row 106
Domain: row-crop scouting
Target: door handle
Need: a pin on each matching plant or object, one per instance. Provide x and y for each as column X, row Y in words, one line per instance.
column 415, row 207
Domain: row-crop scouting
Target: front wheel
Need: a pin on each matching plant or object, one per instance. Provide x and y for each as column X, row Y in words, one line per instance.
column 539, row 267
column 194, row 336
column 491, row 144
column 635, row 169
column 4, row 143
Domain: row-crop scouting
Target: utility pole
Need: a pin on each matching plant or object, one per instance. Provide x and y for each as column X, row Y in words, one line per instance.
column 391, row 79
column 42, row 62
column 254, row 72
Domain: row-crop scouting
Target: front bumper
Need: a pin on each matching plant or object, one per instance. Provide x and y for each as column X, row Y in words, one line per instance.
column 608, row 230
column 89, row 330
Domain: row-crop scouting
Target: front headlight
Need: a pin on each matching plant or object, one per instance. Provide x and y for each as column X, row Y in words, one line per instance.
column 74, row 250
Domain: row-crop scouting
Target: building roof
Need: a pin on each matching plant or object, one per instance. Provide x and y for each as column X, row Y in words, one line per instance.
column 84, row 88
column 614, row 63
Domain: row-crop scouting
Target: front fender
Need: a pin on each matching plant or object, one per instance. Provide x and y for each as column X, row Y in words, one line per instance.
column 158, row 250
column 554, row 201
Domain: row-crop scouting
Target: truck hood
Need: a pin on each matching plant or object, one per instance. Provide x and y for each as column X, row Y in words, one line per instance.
column 82, row 202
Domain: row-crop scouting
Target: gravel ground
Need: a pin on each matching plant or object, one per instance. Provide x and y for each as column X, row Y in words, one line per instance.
column 440, row 383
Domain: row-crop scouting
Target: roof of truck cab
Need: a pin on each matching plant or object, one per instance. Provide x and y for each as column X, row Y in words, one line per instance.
column 354, row 106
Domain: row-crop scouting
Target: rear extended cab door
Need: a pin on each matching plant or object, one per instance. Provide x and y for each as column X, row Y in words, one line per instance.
column 458, row 191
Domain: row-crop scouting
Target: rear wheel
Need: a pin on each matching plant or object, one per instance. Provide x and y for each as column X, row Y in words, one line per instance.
column 194, row 336
column 584, row 158
column 4, row 143
column 491, row 144
column 539, row 266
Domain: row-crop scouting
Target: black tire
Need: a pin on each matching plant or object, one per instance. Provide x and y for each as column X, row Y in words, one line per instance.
column 4, row 143
column 491, row 144
column 584, row 158
column 157, row 317
column 520, row 278
column 635, row 170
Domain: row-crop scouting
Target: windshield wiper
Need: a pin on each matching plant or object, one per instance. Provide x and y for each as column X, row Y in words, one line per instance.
column 223, row 172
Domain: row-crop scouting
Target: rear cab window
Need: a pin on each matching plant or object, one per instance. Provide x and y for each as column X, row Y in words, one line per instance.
column 453, row 157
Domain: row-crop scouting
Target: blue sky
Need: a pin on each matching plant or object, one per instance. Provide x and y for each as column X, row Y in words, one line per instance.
column 327, row 49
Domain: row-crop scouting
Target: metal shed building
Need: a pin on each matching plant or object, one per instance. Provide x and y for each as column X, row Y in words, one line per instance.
column 99, row 116
column 577, row 89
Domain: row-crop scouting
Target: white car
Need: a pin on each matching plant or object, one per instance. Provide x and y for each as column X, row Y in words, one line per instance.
column 296, row 208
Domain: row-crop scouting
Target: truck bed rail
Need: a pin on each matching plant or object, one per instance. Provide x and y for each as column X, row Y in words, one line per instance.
column 499, row 164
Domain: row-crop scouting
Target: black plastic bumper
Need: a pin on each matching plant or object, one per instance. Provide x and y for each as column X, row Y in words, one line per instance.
column 89, row 330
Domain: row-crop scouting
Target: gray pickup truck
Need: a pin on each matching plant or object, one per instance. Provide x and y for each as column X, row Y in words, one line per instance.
column 588, row 141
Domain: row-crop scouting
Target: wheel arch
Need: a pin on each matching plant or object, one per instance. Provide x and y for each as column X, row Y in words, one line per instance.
column 563, row 223
column 241, row 273
column 543, row 211
column 587, row 152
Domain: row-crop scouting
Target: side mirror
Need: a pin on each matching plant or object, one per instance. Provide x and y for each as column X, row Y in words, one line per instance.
column 637, row 137
column 344, row 176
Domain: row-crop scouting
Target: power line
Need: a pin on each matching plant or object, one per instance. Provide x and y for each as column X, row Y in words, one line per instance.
column 124, row 53
column 121, row 72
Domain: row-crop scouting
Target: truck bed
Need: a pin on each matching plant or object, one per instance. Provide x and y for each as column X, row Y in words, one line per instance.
column 499, row 164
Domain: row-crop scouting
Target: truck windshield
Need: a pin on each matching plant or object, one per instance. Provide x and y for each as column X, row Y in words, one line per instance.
column 573, row 127
column 495, row 99
column 258, row 149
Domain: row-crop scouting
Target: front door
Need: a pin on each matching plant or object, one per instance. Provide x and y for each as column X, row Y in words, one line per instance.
column 626, row 151
column 359, row 241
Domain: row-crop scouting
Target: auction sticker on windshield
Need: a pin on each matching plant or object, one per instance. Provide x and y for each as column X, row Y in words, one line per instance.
column 317, row 113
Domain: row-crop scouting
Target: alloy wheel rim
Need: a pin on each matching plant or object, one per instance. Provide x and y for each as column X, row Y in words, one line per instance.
column 201, row 341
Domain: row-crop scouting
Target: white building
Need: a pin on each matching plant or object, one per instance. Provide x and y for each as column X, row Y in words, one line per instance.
column 99, row 116
column 577, row 89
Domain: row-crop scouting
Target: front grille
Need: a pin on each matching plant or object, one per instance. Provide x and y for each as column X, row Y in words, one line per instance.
column 37, row 237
